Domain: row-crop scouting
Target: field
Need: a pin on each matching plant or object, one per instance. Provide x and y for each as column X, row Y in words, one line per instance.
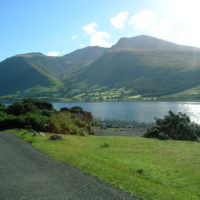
column 147, row 168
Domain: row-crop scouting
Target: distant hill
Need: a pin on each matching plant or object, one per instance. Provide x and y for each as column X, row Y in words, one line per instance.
column 39, row 73
column 142, row 67
column 17, row 75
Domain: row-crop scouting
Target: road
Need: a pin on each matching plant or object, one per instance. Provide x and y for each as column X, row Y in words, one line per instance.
column 28, row 174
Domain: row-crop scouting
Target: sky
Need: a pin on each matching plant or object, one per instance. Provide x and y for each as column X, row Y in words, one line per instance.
column 57, row 27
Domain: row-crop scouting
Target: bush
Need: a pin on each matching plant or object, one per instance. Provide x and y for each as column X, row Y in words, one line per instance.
column 8, row 121
column 30, row 105
column 3, row 108
column 65, row 123
column 35, row 121
column 29, row 113
column 40, row 116
column 86, row 116
column 77, row 110
column 174, row 126
column 64, row 109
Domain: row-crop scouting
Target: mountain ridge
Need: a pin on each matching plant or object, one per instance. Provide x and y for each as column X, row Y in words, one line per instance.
column 149, row 42
column 138, row 67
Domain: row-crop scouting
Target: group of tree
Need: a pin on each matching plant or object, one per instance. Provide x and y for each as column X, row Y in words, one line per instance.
column 41, row 116
column 174, row 126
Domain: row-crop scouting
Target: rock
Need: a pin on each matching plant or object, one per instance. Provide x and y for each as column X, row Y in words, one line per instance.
column 55, row 137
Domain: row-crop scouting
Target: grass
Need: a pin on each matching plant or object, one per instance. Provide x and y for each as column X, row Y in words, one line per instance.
column 147, row 168
column 192, row 94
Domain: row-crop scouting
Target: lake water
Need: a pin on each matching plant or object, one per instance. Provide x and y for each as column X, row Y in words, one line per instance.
column 140, row 111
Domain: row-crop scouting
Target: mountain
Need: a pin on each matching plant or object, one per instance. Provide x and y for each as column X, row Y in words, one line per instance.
column 148, row 42
column 86, row 54
column 150, row 73
column 35, row 70
column 18, row 75
column 141, row 67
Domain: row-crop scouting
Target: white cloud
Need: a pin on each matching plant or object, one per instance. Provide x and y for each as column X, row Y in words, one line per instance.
column 148, row 22
column 181, row 27
column 144, row 19
column 53, row 53
column 161, row 29
column 189, row 37
column 74, row 37
column 82, row 45
column 98, row 39
column 119, row 20
column 90, row 28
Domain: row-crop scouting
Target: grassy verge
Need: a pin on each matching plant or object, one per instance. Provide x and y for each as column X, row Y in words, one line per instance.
column 148, row 168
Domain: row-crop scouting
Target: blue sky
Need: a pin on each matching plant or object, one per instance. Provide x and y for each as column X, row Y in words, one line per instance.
column 57, row 27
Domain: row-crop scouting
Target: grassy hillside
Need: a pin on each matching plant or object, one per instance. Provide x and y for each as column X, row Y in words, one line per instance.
column 186, row 95
column 86, row 54
column 142, row 67
column 18, row 75
column 147, row 168
column 37, row 75
column 145, row 72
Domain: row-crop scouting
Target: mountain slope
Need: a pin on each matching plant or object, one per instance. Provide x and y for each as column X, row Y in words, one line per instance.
column 138, row 67
column 35, row 70
column 145, row 72
column 18, row 75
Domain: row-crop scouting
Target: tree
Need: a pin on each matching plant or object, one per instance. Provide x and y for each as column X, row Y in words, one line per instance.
column 174, row 126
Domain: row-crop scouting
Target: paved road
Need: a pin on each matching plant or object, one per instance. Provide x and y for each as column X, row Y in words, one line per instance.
column 28, row 174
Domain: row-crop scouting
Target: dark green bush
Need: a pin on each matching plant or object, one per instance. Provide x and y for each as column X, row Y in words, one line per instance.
column 8, row 121
column 35, row 121
column 77, row 110
column 174, row 126
column 65, row 109
column 40, row 116
column 30, row 105
column 3, row 108
column 29, row 113
column 87, row 116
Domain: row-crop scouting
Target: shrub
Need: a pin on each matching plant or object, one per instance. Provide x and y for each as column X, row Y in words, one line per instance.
column 3, row 108
column 30, row 105
column 35, row 121
column 64, row 109
column 40, row 116
column 174, row 126
column 77, row 110
column 8, row 121
column 39, row 104
column 87, row 116
column 21, row 108
column 65, row 123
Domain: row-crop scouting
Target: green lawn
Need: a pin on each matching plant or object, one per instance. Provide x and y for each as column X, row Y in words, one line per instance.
column 148, row 168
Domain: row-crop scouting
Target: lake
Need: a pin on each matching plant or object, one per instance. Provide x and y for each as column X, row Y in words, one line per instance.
column 139, row 111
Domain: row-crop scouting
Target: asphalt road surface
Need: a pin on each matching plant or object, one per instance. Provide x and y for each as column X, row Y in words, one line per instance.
column 28, row 174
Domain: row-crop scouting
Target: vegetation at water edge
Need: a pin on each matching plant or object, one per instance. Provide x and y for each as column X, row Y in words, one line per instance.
column 174, row 126
column 41, row 116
